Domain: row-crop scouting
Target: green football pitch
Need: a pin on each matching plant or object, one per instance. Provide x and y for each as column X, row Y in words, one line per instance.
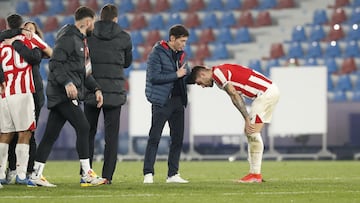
column 210, row 181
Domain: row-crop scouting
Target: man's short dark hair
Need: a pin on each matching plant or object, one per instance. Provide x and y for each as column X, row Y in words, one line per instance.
column 84, row 12
column 178, row 31
column 108, row 12
column 14, row 21
column 194, row 73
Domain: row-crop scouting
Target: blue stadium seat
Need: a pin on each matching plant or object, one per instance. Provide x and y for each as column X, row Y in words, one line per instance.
column 156, row 22
column 320, row 17
column 354, row 16
column 128, row 70
column 356, row 95
column 331, row 65
column 126, row 6
column 317, row 33
column 267, row 4
column 137, row 37
column 227, row 19
column 310, row 62
column 214, row 5
column 209, row 21
column 49, row 38
column 123, row 21
column 224, row 36
column 136, row 54
column 332, row 50
column 219, row 52
column 38, row 21
column 295, row 50
column 178, row 6
column 314, row 50
column 353, row 33
column 189, row 53
column 22, row 8
column 330, row 84
column 343, row 83
column 242, row 35
column 255, row 64
column 192, row 37
column 357, row 83
column 43, row 69
column 352, row 49
column 355, row 3
column 108, row 2
column 339, row 96
column 174, row 18
column 231, row 5
column 270, row 64
column 298, row 34
column 67, row 20
column 55, row 7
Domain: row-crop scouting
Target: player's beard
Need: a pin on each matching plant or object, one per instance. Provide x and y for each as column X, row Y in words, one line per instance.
column 88, row 33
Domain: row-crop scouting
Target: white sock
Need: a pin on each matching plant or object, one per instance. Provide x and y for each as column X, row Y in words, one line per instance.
column 38, row 170
column 22, row 158
column 85, row 165
column 255, row 152
column 3, row 159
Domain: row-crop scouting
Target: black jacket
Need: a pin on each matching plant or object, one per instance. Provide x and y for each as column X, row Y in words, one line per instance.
column 67, row 65
column 110, row 52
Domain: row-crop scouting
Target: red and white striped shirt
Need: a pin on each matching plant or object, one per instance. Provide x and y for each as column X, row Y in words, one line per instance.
column 246, row 81
column 17, row 72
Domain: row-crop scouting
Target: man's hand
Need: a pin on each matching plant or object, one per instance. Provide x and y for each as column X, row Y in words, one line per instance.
column 99, row 98
column 28, row 34
column 9, row 41
column 71, row 91
column 181, row 72
column 249, row 128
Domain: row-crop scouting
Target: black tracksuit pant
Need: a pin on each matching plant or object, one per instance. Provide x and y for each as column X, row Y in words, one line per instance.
column 58, row 115
column 111, row 125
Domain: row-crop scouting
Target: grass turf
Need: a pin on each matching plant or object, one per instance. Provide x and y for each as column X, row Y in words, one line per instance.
column 210, row 181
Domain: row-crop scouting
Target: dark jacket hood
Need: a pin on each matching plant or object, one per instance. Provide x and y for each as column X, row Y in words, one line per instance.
column 69, row 30
column 106, row 30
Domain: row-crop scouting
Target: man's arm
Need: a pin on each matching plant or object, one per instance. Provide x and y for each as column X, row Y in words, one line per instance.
column 128, row 54
column 32, row 56
column 237, row 100
column 7, row 34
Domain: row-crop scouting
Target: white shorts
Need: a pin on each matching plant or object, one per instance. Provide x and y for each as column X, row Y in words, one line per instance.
column 263, row 106
column 17, row 113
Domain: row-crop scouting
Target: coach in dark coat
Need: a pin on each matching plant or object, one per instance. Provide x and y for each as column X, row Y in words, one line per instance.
column 110, row 52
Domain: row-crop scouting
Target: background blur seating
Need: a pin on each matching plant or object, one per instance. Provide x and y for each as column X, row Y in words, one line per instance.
column 331, row 65
column 314, row 50
column 317, row 33
column 245, row 19
column 343, row 83
column 338, row 16
column 209, row 20
column 214, row 5
column 230, row 5
column 51, row 24
column 137, row 37
column 353, row 33
column 332, row 50
column 295, row 50
column 156, row 22
column 348, row 66
column 72, row 5
column 93, row 4
column 178, row 6
column 174, row 18
column 320, row 17
column 123, row 21
column 202, row 52
column 55, row 7
column 281, row 4
column 224, row 36
column 143, row 6
column 227, row 19
column 38, row 7
column 277, row 51
column 242, row 35
column 351, row 49
column 206, row 36
column 219, row 52
column 2, row 24
column 196, row 5
column 311, row 62
column 267, row 4
column 263, row 18
column 249, row 4
column 22, row 7
column 126, row 6
column 298, row 34
column 335, row 33
column 192, row 20
column 161, row 6
column 138, row 22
